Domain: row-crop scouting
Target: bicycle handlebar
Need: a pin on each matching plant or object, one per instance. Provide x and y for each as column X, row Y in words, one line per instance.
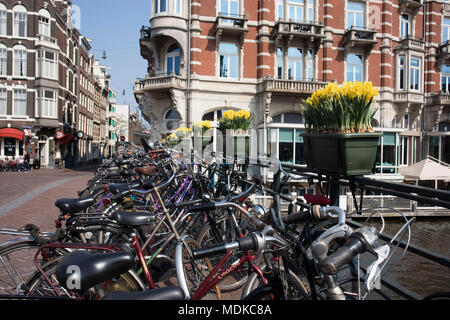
column 252, row 242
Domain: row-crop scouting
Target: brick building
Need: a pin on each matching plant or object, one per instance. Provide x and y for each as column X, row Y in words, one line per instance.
column 267, row 56
column 40, row 80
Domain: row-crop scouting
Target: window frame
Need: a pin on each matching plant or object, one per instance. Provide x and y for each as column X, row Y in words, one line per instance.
column 4, row 101
column 20, row 15
column 20, row 49
column 229, row 56
column 355, row 12
column 347, row 64
column 3, row 20
column 24, row 100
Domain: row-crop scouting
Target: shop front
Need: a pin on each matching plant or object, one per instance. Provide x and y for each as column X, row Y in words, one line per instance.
column 11, row 143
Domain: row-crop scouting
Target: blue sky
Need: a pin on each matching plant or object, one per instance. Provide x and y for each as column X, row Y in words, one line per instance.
column 114, row 26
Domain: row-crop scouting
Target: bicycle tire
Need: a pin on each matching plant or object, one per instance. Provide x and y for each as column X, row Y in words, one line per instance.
column 240, row 276
column 196, row 272
column 16, row 265
column 294, row 281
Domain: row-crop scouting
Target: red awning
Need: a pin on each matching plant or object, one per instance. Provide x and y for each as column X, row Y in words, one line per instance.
column 12, row 133
column 68, row 138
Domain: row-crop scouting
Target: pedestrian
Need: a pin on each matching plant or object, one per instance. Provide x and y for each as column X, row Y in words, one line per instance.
column 27, row 161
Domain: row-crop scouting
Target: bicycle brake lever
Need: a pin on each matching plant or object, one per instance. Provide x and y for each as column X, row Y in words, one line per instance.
column 373, row 278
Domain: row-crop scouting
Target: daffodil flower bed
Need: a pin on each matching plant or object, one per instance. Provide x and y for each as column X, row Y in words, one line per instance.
column 349, row 108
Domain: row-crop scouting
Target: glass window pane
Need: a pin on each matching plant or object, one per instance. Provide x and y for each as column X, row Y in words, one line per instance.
column 286, row 135
column 234, row 65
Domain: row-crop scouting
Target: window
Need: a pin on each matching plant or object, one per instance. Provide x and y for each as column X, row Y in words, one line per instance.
column 173, row 59
column 3, row 101
column 310, row 65
column 44, row 23
column 402, row 72
column 295, row 63
column 20, row 19
column 20, row 103
column 229, row 60
column 160, row 6
column 280, row 62
column 296, row 10
column 414, row 74
column 280, row 9
column 46, row 104
column 446, row 30
column 355, row 15
column 445, row 78
column 404, row 25
column 20, row 61
column 229, row 8
column 387, row 158
column 47, row 65
column 291, row 147
column 354, row 67
column 9, row 147
column 178, row 6
column 3, row 20
column 310, row 10
column 3, row 60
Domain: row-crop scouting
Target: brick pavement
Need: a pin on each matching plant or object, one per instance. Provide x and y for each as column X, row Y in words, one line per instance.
column 40, row 210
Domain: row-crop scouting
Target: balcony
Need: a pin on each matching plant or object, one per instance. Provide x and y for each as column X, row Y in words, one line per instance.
column 410, row 6
column 444, row 52
column 441, row 98
column 290, row 87
column 46, row 123
column 360, row 38
column 161, row 83
column 231, row 25
column 409, row 97
column 411, row 43
column 43, row 40
column 291, row 29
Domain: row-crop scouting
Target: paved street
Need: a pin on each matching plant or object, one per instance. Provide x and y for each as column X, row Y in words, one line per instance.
column 30, row 197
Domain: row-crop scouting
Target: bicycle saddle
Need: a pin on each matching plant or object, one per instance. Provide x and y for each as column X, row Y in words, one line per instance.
column 72, row 206
column 166, row 293
column 146, row 171
column 78, row 271
column 133, row 218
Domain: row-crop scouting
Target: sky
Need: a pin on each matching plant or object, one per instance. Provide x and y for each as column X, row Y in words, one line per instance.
column 114, row 27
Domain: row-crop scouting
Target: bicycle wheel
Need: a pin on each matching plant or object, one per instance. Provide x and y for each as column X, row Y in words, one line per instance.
column 196, row 271
column 296, row 286
column 206, row 238
column 16, row 265
column 46, row 285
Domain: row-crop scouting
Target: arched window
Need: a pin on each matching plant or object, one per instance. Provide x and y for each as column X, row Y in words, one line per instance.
column 172, row 119
column 20, row 21
column 173, row 59
column 20, row 61
column 3, row 20
column 44, row 23
column 3, row 60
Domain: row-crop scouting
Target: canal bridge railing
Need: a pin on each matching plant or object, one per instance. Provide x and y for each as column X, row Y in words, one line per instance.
column 420, row 194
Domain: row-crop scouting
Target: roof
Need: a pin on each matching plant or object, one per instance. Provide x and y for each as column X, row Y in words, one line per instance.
column 426, row 170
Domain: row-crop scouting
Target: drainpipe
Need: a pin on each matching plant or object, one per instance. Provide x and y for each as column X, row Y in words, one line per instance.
column 422, row 126
column 188, row 83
